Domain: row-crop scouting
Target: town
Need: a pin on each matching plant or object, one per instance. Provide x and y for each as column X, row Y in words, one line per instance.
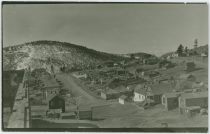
column 157, row 92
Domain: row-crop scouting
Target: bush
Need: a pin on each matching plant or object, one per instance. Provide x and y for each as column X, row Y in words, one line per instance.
column 190, row 66
column 167, row 64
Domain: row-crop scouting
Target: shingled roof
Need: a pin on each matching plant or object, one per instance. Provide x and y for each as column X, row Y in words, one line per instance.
column 195, row 95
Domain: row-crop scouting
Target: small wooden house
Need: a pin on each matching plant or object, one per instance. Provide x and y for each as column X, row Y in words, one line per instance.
column 170, row 100
column 57, row 102
column 153, row 92
column 84, row 113
column 193, row 99
column 139, row 93
column 122, row 99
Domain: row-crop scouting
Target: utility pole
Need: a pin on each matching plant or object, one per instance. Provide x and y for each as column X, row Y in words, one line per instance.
column 28, row 71
column 77, row 99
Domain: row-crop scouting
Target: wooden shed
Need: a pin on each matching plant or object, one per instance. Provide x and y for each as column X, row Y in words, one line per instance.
column 193, row 99
column 122, row 99
column 57, row 102
column 170, row 100
column 84, row 113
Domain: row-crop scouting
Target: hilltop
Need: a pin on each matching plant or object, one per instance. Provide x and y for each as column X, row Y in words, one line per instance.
column 43, row 54
column 198, row 50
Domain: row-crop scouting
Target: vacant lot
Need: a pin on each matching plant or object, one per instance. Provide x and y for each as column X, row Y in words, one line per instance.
column 152, row 118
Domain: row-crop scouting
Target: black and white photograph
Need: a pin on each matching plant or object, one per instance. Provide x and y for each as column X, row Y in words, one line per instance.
column 104, row 66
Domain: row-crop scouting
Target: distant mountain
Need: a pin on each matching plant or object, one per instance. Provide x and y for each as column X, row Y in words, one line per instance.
column 139, row 55
column 166, row 54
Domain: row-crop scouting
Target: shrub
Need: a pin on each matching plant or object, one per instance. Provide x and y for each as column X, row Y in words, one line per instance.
column 190, row 66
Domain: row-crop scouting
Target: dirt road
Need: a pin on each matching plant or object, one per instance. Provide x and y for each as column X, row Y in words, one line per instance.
column 69, row 83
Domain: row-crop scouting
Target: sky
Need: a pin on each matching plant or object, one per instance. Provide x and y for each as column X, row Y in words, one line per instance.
column 113, row 28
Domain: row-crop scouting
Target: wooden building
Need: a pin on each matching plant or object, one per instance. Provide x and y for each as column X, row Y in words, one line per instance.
column 84, row 113
column 57, row 102
column 153, row 92
column 194, row 99
column 170, row 100
column 123, row 99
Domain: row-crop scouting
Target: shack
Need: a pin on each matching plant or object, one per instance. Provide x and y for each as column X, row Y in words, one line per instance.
column 57, row 102
column 153, row 92
column 198, row 99
column 84, row 113
column 170, row 100
column 122, row 99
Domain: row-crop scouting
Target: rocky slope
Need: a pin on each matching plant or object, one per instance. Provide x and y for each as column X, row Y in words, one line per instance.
column 42, row 54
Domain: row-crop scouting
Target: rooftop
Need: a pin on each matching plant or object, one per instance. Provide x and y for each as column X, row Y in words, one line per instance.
column 123, row 97
column 195, row 95
column 172, row 94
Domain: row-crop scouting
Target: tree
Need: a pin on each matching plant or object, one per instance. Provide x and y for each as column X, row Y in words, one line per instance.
column 196, row 43
column 180, row 50
column 132, row 56
column 186, row 49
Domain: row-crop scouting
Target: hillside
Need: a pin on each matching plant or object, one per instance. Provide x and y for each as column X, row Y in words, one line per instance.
column 41, row 54
column 140, row 55
column 199, row 50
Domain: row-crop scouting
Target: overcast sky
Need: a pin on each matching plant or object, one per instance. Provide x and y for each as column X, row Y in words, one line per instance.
column 114, row 28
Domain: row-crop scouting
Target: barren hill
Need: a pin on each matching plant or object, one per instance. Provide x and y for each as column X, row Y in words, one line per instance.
column 40, row 54
column 43, row 54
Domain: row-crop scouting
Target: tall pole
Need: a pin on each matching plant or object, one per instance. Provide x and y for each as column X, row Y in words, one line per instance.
column 29, row 104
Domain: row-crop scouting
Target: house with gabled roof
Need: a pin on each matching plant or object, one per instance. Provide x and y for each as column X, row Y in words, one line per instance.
column 153, row 92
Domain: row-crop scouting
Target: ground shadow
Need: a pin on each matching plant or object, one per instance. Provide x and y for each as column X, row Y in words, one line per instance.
column 196, row 69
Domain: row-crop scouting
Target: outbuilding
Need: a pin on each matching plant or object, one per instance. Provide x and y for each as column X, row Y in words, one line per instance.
column 84, row 113
column 192, row 99
column 57, row 102
column 170, row 100
column 122, row 99
column 153, row 92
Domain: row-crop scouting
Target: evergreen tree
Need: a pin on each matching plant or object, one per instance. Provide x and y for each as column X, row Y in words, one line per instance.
column 186, row 50
column 195, row 43
column 180, row 50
